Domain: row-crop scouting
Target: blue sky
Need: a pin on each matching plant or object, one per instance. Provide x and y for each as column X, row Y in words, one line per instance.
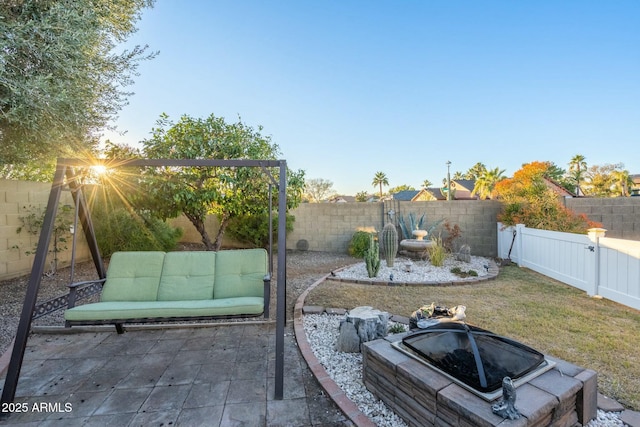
column 349, row 88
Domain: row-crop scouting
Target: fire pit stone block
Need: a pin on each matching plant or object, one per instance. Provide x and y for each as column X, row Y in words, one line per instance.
column 562, row 397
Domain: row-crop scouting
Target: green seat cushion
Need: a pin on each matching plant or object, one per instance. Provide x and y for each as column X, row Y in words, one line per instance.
column 187, row 276
column 240, row 273
column 117, row 310
column 133, row 276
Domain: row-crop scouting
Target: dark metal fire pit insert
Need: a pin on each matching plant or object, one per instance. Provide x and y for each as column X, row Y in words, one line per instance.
column 473, row 356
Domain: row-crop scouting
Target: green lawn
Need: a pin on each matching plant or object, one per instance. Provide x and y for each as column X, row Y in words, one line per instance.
column 545, row 314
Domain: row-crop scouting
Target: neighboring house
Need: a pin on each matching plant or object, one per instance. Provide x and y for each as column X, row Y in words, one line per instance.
column 635, row 189
column 342, row 199
column 558, row 189
column 462, row 189
column 426, row 194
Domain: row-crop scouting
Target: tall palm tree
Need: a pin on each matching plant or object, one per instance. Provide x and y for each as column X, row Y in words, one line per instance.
column 456, row 176
column 577, row 168
column 426, row 183
column 380, row 179
column 475, row 171
column 486, row 181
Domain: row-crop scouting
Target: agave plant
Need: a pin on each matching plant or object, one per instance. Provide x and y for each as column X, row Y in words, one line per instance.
column 411, row 224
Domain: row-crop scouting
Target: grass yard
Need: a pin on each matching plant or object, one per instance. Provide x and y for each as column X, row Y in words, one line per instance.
column 545, row 314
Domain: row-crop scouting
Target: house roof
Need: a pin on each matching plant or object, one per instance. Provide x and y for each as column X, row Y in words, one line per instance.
column 467, row 184
column 405, row 195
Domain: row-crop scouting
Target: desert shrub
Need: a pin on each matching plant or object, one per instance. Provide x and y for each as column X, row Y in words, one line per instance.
column 122, row 230
column 453, row 234
column 253, row 230
column 359, row 243
column 437, row 252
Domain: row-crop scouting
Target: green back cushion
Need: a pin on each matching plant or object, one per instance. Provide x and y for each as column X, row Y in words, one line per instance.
column 133, row 276
column 240, row 273
column 187, row 276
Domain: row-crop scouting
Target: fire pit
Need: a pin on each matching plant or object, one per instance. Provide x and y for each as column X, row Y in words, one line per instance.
column 475, row 358
column 560, row 395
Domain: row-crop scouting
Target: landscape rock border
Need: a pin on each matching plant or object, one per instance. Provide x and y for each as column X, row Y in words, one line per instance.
column 492, row 273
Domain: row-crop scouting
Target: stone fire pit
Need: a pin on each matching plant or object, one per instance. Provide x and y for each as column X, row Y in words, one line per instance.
column 561, row 397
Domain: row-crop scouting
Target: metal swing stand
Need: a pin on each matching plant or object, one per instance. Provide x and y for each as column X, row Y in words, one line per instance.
column 65, row 175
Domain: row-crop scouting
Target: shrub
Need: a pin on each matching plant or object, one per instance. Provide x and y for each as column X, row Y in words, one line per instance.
column 437, row 252
column 359, row 243
column 254, row 229
column 123, row 230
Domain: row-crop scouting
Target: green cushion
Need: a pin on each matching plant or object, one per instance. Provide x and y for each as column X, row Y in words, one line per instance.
column 187, row 276
column 133, row 276
column 240, row 273
column 139, row 310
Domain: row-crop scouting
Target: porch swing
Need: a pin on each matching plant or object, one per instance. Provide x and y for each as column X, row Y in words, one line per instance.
column 65, row 174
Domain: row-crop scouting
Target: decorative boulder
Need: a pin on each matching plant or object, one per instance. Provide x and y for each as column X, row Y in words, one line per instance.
column 464, row 254
column 348, row 340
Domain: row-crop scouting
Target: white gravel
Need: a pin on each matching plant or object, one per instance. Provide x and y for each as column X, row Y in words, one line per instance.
column 420, row 271
column 346, row 370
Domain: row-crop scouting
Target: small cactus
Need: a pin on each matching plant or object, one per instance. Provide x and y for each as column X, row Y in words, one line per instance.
column 390, row 243
column 372, row 258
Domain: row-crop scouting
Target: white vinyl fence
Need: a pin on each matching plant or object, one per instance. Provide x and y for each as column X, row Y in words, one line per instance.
column 593, row 263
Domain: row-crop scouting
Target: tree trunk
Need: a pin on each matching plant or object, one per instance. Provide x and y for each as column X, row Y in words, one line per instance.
column 198, row 223
column 224, row 221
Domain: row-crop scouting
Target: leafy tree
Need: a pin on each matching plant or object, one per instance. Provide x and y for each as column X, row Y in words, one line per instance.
column 318, row 189
column 399, row 188
column 622, row 182
column 198, row 191
column 577, row 168
column 486, row 182
column 604, row 180
column 380, row 179
column 528, row 200
column 61, row 79
column 362, row 196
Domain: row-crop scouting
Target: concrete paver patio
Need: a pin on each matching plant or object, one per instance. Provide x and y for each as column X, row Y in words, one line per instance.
column 221, row 375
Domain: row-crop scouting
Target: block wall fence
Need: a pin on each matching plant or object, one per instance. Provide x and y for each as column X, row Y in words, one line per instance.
column 325, row 227
column 17, row 200
column 328, row 227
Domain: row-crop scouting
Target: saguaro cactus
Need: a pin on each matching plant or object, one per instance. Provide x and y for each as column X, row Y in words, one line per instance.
column 390, row 243
column 372, row 258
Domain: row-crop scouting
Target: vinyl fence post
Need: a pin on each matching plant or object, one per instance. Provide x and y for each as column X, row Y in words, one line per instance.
column 594, row 235
column 519, row 244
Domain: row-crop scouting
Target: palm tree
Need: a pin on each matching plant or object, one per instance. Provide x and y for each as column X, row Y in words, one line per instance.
column 456, row 176
column 426, row 183
column 486, row 181
column 380, row 179
column 475, row 171
column 577, row 167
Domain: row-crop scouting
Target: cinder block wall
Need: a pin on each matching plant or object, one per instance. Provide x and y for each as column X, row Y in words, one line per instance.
column 17, row 199
column 619, row 215
column 329, row 227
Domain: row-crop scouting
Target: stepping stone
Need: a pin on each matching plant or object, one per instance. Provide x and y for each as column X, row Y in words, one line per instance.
column 608, row 405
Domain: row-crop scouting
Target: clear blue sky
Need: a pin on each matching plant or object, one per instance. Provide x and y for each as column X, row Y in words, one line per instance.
column 349, row 88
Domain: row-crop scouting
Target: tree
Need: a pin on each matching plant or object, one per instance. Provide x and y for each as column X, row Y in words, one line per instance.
column 475, row 171
column 224, row 191
column 362, row 196
column 61, row 80
column 318, row 189
column 380, row 179
column 399, row 188
column 604, row 180
column 622, row 181
column 527, row 199
column 456, row 176
column 577, row 168
column 486, row 182
column 426, row 183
